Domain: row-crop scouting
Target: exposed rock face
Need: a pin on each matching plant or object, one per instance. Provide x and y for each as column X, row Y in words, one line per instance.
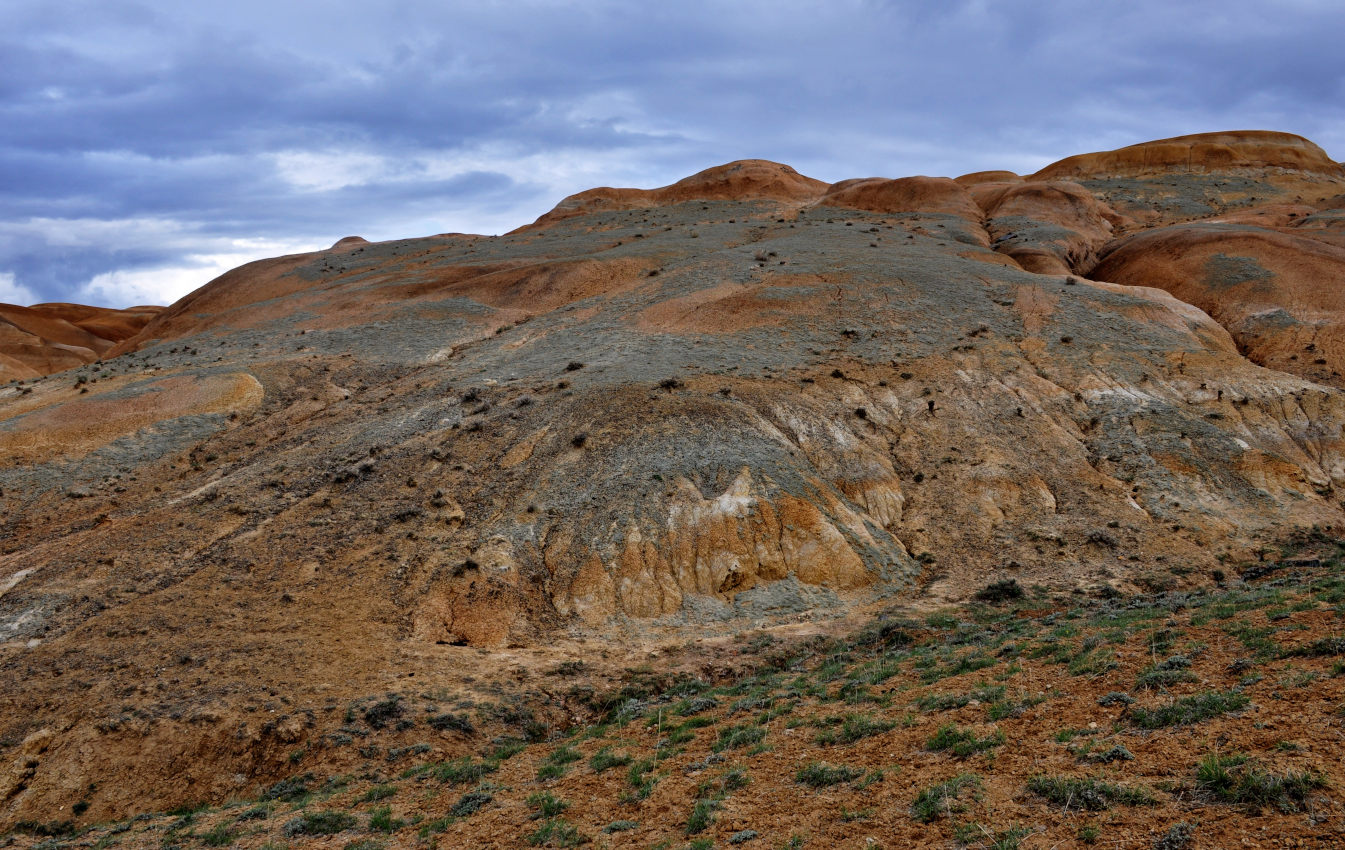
column 48, row 338
column 743, row 397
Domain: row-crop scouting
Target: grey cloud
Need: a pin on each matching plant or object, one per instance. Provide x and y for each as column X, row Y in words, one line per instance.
column 153, row 110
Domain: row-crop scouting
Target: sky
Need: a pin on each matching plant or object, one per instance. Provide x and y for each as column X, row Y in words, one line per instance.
column 148, row 146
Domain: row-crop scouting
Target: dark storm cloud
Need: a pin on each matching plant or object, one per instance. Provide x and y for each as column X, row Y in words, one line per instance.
column 143, row 137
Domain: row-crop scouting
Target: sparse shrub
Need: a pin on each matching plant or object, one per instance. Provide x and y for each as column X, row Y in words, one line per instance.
column 1235, row 779
column 962, row 742
column 1327, row 646
column 942, row 799
column 463, row 771
column 470, row 803
column 605, row 759
column 557, row 833
column 734, row 737
column 546, row 805
column 1115, row 698
column 221, row 836
column 853, row 728
column 621, row 826
column 377, row 793
column 702, row 815
column 641, row 779
column 451, row 723
column 1178, row 837
column 378, row 714
column 1000, row 592
column 822, row 775
column 381, row 820
column 318, row 823
column 1070, row 792
column 1192, row 709
column 975, row 835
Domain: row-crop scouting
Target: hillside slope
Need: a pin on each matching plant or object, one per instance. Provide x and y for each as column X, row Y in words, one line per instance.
column 743, row 400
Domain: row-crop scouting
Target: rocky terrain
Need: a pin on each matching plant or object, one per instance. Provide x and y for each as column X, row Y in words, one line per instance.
column 429, row 472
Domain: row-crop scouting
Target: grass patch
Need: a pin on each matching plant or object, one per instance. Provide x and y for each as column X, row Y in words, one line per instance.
column 1237, row 780
column 470, row 803
column 962, row 742
column 943, row 799
column 1070, row 792
column 736, row 737
column 557, row 833
column 546, row 805
column 463, row 771
column 318, row 823
column 1188, row 710
column 381, row 820
column 853, row 728
column 605, row 759
column 818, row 774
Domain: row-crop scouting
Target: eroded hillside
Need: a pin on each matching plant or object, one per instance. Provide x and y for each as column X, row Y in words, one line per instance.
column 740, row 400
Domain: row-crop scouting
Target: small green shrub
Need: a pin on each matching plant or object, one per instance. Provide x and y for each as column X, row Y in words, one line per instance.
column 1070, row 792
column 605, row 759
column 853, row 728
column 702, row 815
column 451, row 723
column 1192, row 709
column 546, row 805
column 942, row 799
column 734, row 737
column 1235, row 779
column 557, row 833
column 975, row 835
column 818, row 774
column 221, row 836
column 470, row 803
column 318, row 823
column 462, row 771
column 999, row 592
column 1323, row 647
column 381, row 820
column 962, row 742
column 378, row 792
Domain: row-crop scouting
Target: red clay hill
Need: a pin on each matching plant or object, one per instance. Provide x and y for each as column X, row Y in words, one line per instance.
column 46, row 338
column 415, row 473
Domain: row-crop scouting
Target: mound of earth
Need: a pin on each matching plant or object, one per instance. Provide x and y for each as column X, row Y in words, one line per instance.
column 432, row 467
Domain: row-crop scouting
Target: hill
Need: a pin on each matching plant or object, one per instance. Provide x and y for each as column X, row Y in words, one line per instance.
column 430, row 470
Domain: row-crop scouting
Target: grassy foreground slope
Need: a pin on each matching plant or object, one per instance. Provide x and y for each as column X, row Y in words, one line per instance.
column 1179, row 719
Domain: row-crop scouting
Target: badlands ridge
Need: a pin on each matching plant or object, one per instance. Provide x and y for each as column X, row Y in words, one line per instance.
column 747, row 398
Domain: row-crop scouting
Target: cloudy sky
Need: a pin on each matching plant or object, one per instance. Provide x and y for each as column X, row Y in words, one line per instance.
column 147, row 145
